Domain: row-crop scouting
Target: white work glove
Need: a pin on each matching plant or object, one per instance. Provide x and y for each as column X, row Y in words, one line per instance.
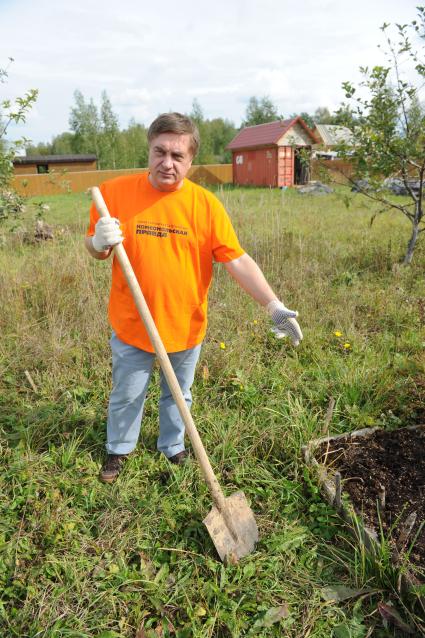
column 107, row 233
column 285, row 324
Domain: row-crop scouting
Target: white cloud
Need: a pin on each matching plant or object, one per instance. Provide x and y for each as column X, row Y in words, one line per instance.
column 152, row 57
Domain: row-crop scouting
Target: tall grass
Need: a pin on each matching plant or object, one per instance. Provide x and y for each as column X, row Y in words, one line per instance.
column 82, row 559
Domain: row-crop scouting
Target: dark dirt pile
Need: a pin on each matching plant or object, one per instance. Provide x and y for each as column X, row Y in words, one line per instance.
column 389, row 464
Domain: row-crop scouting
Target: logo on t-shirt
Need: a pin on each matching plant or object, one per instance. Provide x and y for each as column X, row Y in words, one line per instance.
column 157, row 229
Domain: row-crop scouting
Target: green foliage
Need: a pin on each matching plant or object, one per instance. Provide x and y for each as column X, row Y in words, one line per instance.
column 79, row 558
column 133, row 146
column 11, row 204
column 61, row 144
column 322, row 115
column 11, row 112
column 97, row 131
column 260, row 111
column 215, row 135
column 389, row 137
column 110, row 132
column 205, row 153
column 85, row 122
column 308, row 119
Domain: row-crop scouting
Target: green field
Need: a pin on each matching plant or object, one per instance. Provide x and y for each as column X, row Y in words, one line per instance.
column 82, row 559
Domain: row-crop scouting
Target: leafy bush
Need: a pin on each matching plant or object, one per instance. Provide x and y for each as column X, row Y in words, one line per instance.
column 11, row 204
column 11, row 112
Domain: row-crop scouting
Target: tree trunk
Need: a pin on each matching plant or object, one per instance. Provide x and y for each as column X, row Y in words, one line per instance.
column 412, row 242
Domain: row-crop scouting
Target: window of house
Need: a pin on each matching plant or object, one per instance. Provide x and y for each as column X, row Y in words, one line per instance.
column 42, row 168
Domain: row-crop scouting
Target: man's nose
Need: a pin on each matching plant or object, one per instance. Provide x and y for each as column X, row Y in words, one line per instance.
column 167, row 161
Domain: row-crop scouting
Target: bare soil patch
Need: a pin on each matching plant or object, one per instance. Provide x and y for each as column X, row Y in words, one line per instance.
column 390, row 466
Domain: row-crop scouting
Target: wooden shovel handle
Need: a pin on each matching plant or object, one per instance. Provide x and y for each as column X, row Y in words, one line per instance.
column 173, row 384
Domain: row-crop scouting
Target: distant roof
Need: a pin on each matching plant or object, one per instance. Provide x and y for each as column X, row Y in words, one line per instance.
column 333, row 134
column 266, row 134
column 54, row 159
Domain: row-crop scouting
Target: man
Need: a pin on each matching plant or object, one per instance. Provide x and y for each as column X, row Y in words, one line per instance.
column 172, row 230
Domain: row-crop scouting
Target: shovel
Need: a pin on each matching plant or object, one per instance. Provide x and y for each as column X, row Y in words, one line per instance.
column 230, row 523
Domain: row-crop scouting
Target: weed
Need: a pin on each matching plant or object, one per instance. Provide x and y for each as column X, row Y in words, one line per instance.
column 83, row 559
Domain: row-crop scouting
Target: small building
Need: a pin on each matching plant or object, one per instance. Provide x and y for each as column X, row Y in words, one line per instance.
column 329, row 136
column 31, row 164
column 269, row 154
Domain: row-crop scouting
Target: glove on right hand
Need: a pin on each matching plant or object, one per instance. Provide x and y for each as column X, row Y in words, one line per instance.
column 285, row 324
column 107, row 233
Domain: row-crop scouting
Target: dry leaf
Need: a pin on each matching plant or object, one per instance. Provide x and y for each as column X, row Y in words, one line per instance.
column 272, row 616
column 389, row 614
column 341, row 592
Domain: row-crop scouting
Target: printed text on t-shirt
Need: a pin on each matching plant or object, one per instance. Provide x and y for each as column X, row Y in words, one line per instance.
column 158, row 229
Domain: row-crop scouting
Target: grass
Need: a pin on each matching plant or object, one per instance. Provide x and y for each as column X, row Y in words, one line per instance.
column 82, row 559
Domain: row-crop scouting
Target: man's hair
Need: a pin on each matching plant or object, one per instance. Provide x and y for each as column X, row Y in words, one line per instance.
column 178, row 124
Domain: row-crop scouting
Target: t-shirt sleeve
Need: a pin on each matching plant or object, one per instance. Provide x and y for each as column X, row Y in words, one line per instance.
column 225, row 244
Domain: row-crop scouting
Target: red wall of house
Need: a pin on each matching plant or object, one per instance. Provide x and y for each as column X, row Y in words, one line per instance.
column 272, row 166
column 257, row 167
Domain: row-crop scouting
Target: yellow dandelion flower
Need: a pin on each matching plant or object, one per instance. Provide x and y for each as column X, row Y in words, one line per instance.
column 255, row 322
column 347, row 345
column 223, row 345
column 337, row 333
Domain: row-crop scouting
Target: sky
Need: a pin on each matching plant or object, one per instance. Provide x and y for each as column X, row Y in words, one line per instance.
column 153, row 57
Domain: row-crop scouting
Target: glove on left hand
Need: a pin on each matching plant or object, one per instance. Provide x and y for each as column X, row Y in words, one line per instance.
column 285, row 324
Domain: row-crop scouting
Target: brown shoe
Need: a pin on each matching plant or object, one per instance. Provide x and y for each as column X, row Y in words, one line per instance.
column 179, row 458
column 112, row 467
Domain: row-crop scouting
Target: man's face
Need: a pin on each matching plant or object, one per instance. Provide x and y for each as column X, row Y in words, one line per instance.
column 170, row 158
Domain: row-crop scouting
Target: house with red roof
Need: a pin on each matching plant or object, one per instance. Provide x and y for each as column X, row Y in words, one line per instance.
column 269, row 154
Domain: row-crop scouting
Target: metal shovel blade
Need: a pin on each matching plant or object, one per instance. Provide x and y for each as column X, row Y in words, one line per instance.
column 237, row 539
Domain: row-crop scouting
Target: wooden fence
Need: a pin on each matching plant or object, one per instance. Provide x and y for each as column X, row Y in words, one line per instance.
column 57, row 182
column 337, row 170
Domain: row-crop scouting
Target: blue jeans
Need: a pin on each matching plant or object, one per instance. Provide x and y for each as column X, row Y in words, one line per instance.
column 131, row 373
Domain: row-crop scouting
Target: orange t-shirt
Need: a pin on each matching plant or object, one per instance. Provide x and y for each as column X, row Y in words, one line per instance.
column 171, row 239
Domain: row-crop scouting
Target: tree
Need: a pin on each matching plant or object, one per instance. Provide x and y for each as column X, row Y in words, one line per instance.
column 389, row 137
column 221, row 132
column 260, row 111
column 109, row 133
column 97, row 131
column 322, row 115
column 343, row 116
column 215, row 135
column 11, row 112
column 308, row 119
column 133, row 146
column 61, row 144
column 85, row 122
column 205, row 153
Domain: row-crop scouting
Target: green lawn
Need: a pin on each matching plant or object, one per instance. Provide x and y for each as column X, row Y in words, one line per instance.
column 81, row 559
